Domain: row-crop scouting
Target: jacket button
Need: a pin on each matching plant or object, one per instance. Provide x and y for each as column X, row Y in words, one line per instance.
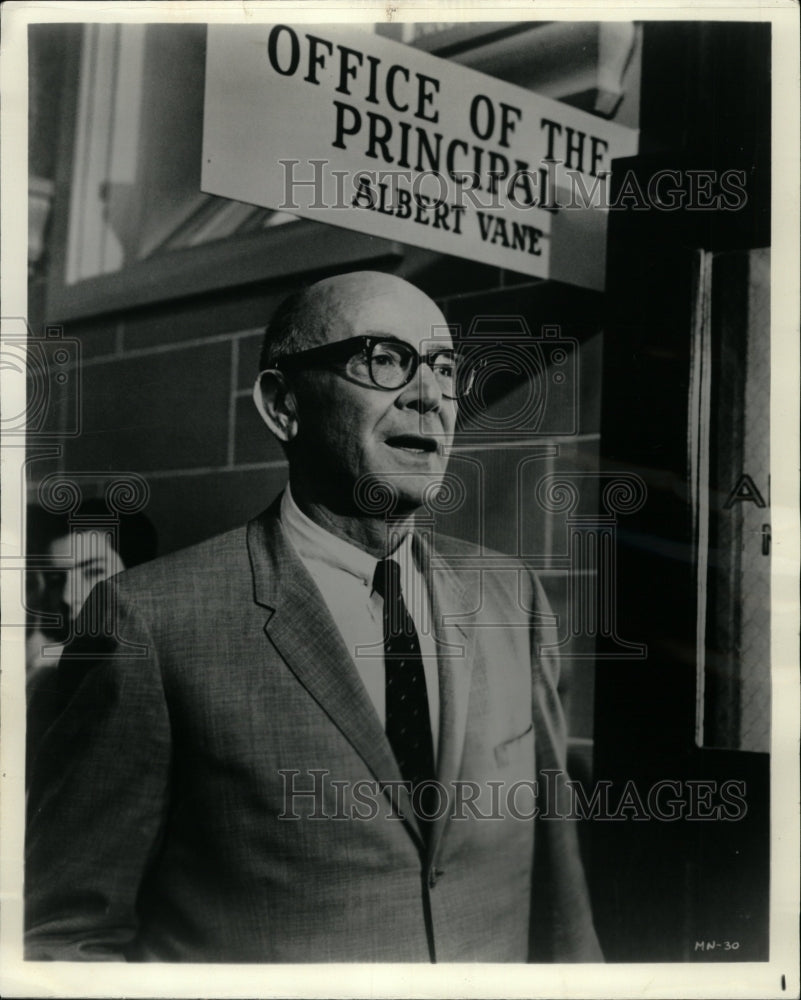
column 434, row 876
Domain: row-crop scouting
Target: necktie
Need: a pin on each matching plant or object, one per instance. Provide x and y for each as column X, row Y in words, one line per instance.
column 408, row 724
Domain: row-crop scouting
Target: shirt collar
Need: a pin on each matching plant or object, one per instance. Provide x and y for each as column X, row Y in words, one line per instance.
column 315, row 544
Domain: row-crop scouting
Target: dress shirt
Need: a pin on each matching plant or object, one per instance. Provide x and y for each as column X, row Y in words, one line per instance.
column 344, row 575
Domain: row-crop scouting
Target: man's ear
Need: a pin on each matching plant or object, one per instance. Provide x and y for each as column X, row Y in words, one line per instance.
column 276, row 404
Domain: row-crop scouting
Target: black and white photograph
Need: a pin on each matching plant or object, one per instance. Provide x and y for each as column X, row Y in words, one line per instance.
column 400, row 545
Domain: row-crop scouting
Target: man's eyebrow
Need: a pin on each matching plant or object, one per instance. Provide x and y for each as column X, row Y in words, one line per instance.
column 428, row 345
column 429, row 342
column 383, row 335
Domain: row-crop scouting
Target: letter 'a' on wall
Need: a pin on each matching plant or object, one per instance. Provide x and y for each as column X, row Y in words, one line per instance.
column 361, row 132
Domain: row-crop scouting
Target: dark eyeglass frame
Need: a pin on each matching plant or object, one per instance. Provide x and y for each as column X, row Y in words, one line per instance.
column 343, row 351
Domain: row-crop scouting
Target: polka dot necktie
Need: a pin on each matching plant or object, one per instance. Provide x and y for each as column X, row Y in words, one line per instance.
column 408, row 724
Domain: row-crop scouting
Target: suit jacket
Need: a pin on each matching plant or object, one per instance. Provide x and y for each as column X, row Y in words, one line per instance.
column 167, row 815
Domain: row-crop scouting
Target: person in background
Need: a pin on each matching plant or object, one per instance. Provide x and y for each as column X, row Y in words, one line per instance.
column 69, row 561
column 43, row 527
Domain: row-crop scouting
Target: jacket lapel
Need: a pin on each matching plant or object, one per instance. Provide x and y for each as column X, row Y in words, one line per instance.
column 300, row 626
column 455, row 657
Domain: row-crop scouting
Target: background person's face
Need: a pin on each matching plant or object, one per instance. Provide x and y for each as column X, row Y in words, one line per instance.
column 400, row 437
column 81, row 560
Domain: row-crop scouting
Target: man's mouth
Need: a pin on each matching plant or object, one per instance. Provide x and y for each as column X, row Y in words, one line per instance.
column 414, row 443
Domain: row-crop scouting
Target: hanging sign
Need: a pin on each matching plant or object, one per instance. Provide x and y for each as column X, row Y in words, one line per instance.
column 355, row 130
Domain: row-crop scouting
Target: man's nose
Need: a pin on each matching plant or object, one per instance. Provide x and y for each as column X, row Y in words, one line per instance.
column 423, row 392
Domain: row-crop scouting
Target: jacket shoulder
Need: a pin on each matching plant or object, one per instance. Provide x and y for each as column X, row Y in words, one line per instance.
column 506, row 576
column 202, row 565
column 449, row 545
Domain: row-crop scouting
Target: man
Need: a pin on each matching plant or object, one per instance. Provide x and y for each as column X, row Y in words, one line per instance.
column 248, row 762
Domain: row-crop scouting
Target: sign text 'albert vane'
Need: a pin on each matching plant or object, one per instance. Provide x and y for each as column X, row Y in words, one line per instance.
column 358, row 131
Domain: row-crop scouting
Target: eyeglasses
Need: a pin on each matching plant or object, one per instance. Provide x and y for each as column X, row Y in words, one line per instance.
column 385, row 364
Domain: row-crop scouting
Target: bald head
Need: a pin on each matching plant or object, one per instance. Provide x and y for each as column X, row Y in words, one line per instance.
column 327, row 311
